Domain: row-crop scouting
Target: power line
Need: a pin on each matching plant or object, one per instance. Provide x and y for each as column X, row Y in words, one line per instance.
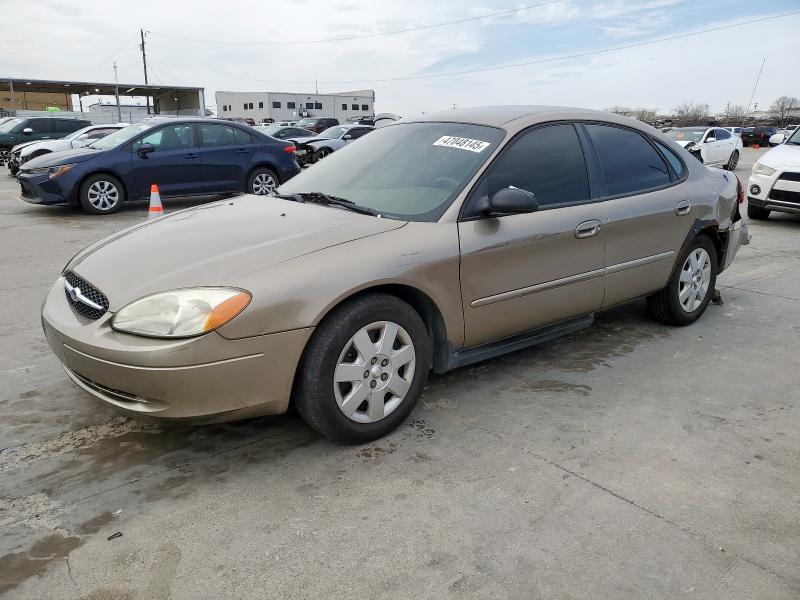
column 113, row 54
column 507, row 66
column 362, row 36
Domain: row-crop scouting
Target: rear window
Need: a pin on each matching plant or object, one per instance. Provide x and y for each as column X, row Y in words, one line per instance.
column 677, row 165
column 631, row 165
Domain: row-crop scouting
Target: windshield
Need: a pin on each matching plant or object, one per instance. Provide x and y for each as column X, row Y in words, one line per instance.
column 306, row 123
column 794, row 139
column 686, row 134
column 334, row 133
column 270, row 129
column 9, row 125
column 409, row 171
column 112, row 140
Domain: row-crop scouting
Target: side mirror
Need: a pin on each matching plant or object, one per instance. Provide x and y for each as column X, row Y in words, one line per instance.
column 512, row 201
column 347, row 136
column 81, row 141
column 776, row 139
column 144, row 150
column 27, row 131
column 710, row 139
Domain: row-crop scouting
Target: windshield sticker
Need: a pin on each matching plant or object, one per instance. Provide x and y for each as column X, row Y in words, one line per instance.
column 449, row 141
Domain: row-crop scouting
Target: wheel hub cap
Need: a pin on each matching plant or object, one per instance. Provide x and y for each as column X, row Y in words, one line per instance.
column 695, row 279
column 374, row 372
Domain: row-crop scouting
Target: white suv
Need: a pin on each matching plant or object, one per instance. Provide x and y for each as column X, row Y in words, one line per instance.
column 775, row 181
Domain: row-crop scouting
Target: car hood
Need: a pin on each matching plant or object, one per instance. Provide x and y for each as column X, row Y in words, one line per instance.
column 60, row 158
column 216, row 244
column 785, row 155
column 25, row 145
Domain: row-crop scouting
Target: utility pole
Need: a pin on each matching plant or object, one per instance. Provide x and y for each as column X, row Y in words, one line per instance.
column 116, row 94
column 144, row 65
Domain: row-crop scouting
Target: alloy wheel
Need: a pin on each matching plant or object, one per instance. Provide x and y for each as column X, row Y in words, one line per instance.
column 263, row 184
column 374, row 372
column 695, row 279
column 103, row 195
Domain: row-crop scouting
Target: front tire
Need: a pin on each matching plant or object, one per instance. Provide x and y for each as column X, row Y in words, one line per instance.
column 691, row 285
column 262, row 182
column 756, row 213
column 101, row 194
column 363, row 369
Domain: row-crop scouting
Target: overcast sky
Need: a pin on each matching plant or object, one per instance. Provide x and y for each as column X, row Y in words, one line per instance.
column 63, row 39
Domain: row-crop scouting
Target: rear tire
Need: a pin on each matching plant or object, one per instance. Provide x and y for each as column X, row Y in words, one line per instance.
column 757, row 214
column 355, row 383
column 101, row 194
column 690, row 287
column 262, row 181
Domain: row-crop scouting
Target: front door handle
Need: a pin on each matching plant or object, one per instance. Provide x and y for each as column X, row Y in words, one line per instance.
column 192, row 155
column 683, row 208
column 588, row 229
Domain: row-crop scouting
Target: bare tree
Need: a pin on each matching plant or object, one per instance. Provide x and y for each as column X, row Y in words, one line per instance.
column 646, row 115
column 784, row 108
column 692, row 113
column 735, row 114
column 618, row 109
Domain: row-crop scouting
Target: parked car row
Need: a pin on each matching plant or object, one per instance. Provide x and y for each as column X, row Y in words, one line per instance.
column 521, row 222
column 18, row 130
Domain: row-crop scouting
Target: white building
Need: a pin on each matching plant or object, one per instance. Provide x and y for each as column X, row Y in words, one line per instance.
column 288, row 106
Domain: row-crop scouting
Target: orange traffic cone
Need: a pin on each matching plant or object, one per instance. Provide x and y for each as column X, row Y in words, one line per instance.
column 155, row 210
column 756, row 146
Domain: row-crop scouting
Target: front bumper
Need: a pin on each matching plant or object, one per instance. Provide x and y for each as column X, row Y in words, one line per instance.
column 779, row 191
column 40, row 189
column 207, row 378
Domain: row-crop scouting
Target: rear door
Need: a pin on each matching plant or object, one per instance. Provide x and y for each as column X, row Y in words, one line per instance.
column 519, row 272
column 647, row 201
column 225, row 154
column 174, row 165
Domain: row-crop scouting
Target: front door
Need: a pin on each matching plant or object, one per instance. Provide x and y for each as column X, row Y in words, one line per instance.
column 520, row 272
column 174, row 164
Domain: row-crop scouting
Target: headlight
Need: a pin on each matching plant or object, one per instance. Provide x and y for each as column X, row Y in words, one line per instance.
column 181, row 313
column 760, row 169
column 52, row 172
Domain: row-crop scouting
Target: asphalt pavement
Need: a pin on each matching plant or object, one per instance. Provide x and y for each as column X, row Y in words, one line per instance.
column 631, row 460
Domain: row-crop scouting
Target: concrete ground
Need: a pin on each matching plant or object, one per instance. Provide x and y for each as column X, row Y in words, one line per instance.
column 632, row 460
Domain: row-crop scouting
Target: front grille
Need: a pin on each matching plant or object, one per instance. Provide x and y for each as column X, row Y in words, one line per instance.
column 785, row 196
column 790, row 176
column 88, row 291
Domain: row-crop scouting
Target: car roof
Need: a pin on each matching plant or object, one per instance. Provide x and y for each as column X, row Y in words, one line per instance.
column 516, row 117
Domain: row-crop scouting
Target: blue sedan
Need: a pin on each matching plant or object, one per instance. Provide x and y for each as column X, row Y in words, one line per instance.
column 184, row 157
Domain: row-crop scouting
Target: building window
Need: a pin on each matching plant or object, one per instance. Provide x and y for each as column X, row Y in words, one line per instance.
column 354, row 107
column 318, row 105
column 344, row 106
column 224, row 108
column 260, row 105
column 278, row 105
column 290, row 105
column 250, row 106
column 245, row 105
column 365, row 107
column 309, row 105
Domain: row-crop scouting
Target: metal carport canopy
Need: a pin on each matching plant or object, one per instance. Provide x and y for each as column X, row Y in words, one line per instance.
column 85, row 88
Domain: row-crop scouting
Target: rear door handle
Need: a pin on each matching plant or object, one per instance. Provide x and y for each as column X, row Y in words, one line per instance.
column 242, row 150
column 683, row 208
column 588, row 229
column 192, row 155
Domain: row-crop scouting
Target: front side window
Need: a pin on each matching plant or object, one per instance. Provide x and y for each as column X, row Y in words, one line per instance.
column 631, row 165
column 408, row 171
column 217, row 135
column 41, row 125
column 721, row 134
column 169, row 138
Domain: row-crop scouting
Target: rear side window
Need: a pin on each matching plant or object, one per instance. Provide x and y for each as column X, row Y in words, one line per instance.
column 217, row 135
column 241, row 137
column 547, row 161
column 673, row 159
column 631, row 165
